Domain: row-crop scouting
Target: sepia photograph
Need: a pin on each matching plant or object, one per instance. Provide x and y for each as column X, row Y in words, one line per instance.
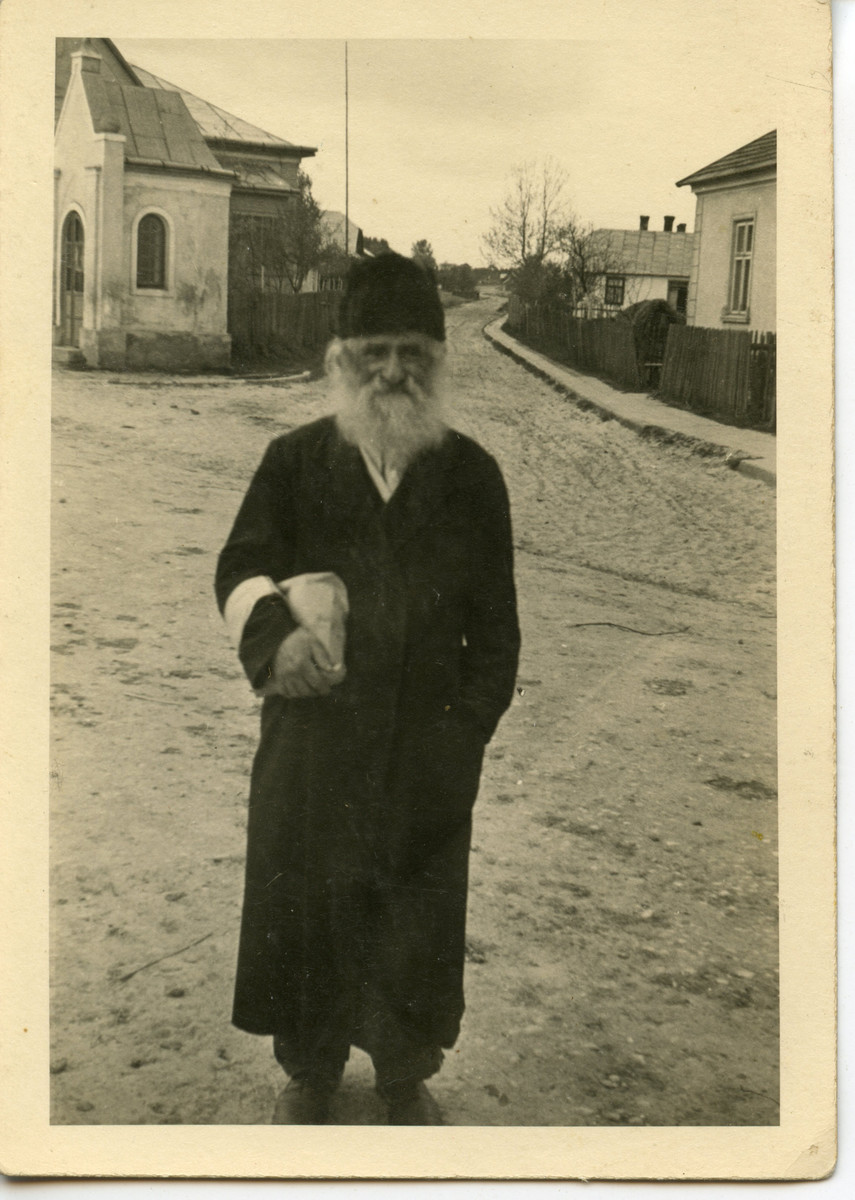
column 417, row 587
column 621, row 947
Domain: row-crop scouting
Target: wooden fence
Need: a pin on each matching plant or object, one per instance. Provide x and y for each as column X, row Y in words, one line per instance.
column 722, row 373
column 270, row 323
column 602, row 346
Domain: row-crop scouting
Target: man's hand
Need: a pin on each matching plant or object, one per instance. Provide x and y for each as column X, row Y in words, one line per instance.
column 300, row 668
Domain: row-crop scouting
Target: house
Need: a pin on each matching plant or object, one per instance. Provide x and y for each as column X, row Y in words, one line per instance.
column 154, row 191
column 343, row 241
column 342, row 233
column 631, row 265
column 733, row 270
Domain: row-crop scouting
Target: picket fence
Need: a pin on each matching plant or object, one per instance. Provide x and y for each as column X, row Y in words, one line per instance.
column 727, row 374
column 602, row 346
column 721, row 373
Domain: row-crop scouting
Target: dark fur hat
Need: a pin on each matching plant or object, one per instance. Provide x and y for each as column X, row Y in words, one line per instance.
column 390, row 294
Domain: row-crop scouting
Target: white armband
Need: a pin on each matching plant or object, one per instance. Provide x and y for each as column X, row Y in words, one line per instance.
column 243, row 600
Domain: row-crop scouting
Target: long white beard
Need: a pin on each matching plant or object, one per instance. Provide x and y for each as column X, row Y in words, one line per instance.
column 396, row 425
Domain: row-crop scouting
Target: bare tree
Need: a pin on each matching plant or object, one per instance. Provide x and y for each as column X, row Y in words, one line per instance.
column 528, row 223
column 553, row 255
column 587, row 260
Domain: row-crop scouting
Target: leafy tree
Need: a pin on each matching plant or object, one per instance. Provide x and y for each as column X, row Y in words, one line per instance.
column 460, row 280
column 376, row 246
column 466, row 283
column 333, row 264
column 422, row 252
column 276, row 251
column 536, row 281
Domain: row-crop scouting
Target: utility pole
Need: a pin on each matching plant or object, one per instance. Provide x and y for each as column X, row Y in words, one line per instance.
column 346, row 163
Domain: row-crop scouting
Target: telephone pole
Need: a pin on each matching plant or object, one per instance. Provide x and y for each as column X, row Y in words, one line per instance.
column 346, row 162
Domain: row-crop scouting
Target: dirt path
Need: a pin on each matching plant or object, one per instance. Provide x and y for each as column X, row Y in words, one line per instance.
column 623, row 936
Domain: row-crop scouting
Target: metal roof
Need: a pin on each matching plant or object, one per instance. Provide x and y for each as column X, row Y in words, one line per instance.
column 758, row 155
column 647, row 251
column 258, row 176
column 156, row 124
column 218, row 125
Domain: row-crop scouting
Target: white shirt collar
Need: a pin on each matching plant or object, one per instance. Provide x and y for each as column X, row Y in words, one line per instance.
column 385, row 479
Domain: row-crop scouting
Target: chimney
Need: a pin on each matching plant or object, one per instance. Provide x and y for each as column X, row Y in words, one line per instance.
column 643, row 222
column 87, row 57
column 669, row 225
column 681, row 228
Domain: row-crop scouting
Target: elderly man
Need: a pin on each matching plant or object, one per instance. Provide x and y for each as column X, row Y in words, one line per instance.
column 368, row 583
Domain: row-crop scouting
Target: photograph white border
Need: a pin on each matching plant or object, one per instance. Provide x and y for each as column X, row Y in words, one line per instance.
column 803, row 1146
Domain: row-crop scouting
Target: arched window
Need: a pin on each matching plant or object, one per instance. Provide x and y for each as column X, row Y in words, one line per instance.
column 151, row 252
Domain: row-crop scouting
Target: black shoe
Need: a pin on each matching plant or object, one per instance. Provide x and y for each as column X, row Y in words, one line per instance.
column 413, row 1105
column 302, row 1103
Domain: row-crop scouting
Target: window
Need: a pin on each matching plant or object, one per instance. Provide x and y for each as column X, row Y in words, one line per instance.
column 151, row 252
column 615, row 285
column 678, row 295
column 740, row 267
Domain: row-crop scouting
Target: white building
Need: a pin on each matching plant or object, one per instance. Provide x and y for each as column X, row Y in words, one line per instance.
column 733, row 270
column 154, row 191
column 644, row 264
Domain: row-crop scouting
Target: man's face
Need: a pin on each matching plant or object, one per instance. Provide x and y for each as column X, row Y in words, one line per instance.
column 395, row 363
column 389, row 393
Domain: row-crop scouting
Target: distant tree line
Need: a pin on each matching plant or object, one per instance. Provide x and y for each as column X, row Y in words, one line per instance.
column 459, row 280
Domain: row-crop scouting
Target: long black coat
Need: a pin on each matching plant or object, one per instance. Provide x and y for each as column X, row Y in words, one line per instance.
column 360, row 801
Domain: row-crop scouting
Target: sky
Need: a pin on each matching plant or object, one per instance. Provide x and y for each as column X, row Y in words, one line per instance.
column 436, row 126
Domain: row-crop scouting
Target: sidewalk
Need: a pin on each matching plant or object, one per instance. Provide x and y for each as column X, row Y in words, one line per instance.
column 747, row 450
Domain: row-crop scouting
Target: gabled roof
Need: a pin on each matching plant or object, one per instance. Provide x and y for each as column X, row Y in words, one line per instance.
column 113, row 64
column 758, row 155
column 647, row 251
column 333, row 224
column 156, row 124
column 164, row 124
column 220, row 126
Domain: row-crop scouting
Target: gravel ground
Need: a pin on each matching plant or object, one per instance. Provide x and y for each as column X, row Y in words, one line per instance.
column 623, row 923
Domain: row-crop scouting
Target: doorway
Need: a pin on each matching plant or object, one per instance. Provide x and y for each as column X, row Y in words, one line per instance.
column 71, row 281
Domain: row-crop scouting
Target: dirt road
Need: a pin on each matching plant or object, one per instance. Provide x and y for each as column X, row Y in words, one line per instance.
column 622, row 933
